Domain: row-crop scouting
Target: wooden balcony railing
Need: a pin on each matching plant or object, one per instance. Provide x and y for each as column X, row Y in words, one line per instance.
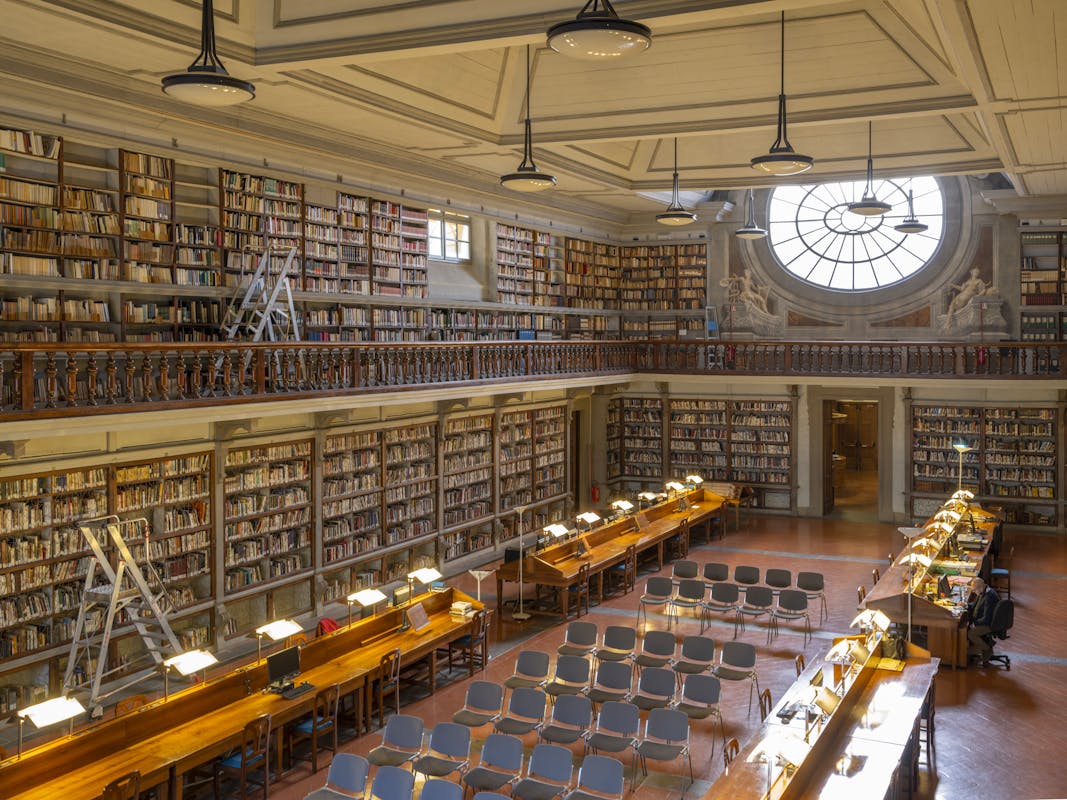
column 74, row 379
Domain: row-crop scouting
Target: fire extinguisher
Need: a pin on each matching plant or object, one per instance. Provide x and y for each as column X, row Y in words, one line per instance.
column 594, row 493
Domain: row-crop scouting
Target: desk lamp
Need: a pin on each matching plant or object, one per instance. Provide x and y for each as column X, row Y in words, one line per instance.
column 590, row 518
column 961, row 448
column 674, row 486
column 648, row 497
column 946, row 515
column 58, row 709
column 870, row 619
column 279, row 629
column 425, row 576
column 911, row 559
column 696, row 480
column 557, row 530
column 963, row 494
column 186, row 664
column 623, row 506
column 787, row 748
column 367, row 598
column 924, row 543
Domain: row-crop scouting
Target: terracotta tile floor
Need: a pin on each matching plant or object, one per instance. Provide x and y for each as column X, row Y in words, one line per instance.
column 999, row 733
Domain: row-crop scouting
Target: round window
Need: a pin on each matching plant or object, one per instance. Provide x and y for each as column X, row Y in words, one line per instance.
column 817, row 239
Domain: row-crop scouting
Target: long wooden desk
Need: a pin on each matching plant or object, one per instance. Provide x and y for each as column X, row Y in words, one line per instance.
column 558, row 565
column 167, row 739
column 945, row 619
column 858, row 751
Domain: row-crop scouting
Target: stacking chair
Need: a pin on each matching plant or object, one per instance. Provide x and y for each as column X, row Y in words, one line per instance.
column 666, row 738
column 778, row 579
column 526, row 710
column 655, row 688
column 612, row 681
column 128, row 787
column 690, row 594
column 483, row 704
column 658, row 591
column 681, row 570
column 392, row 783
column 474, row 646
column 657, row 649
column 531, row 670
column 617, row 644
column 571, row 676
column 700, row 699
column 401, row 741
column 346, row 777
column 729, row 752
column 387, row 683
column 725, row 599
column 501, row 763
column 697, row 655
column 254, row 755
column 599, row 778
column 811, row 583
column 580, row 639
column 792, row 605
column 548, row 773
column 715, row 572
column 449, row 751
column 759, row 601
column 322, row 724
column 746, row 576
column 616, row 729
column 765, row 704
column 572, row 714
column 440, row 789
column 737, row 662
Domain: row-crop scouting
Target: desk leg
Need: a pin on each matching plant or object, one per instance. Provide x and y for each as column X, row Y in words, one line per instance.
column 565, row 601
column 433, row 668
column 499, row 595
column 368, row 685
column 279, row 749
column 177, row 783
column 600, row 587
column 659, row 554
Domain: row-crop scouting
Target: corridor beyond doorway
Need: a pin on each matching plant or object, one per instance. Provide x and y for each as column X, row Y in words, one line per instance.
column 855, row 460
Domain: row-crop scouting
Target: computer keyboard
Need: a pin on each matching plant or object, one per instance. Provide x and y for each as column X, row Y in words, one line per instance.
column 296, row 690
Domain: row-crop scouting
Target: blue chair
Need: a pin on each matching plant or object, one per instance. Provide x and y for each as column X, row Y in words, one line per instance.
column 347, row 777
column 657, row 649
column 690, row 595
column 392, row 783
column 501, row 764
column 599, row 778
column 401, row 741
column 438, row 789
column 737, row 662
column 526, row 711
column 580, row 639
column 792, row 605
column 548, row 774
column 449, row 751
column 616, row 730
column 617, row 644
column 483, row 704
column 531, row 670
column 759, row 600
column 321, row 724
column 697, row 655
column 658, row 591
column 655, row 688
column 725, row 598
column 571, row 676
column 700, row 700
column 612, row 681
column 814, row 587
column 253, row 756
column 572, row 714
column 666, row 739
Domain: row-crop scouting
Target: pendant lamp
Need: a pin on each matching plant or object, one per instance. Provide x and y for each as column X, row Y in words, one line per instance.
column 869, row 205
column 675, row 215
column 206, row 82
column 750, row 230
column 782, row 159
column 911, row 223
column 597, row 34
column 527, row 178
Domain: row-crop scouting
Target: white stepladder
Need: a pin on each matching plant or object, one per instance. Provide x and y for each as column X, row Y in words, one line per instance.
column 256, row 311
column 116, row 595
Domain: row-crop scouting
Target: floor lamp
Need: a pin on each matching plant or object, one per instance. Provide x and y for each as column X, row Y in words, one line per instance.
column 961, row 448
column 520, row 615
column 909, row 535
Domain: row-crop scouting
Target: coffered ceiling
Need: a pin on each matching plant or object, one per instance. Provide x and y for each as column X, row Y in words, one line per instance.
column 434, row 89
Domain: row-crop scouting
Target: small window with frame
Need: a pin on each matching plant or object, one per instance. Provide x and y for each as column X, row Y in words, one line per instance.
column 449, row 236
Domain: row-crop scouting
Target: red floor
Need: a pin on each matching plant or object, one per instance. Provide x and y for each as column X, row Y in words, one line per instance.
column 999, row 733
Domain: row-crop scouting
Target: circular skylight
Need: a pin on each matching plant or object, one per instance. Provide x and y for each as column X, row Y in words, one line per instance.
column 817, row 239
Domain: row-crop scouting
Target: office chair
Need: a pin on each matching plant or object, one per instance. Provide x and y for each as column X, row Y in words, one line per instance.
column 1003, row 619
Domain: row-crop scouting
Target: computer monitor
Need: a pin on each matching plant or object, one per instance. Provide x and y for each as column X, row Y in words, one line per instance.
column 283, row 666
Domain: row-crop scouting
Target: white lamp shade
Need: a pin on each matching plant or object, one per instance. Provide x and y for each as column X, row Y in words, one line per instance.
column 870, row 618
column 945, row 514
column 279, row 629
column 58, row 709
column 917, row 558
column 694, row 479
column 924, row 542
column 192, row 661
column 962, row 448
column 556, row 529
column 963, row 494
column 622, row 505
column 649, row 496
column 589, row 517
column 425, row 575
column 911, row 533
column 674, row 486
column 366, row 597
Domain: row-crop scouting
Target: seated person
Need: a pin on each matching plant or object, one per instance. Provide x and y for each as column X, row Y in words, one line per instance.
column 981, row 617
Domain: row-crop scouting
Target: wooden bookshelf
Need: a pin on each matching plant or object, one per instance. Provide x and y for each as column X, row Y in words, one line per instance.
column 514, row 264
column 410, row 483
column 258, row 212
column 761, row 450
column 550, row 452
column 641, row 420
column 549, row 269
column 147, row 217
column 467, row 483
column 353, row 244
column 267, row 514
column 1013, row 463
column 351, row 496
column 613, row 439
column 197, row 258
column 321, row 249
column 514, row 460
column 698, row 438
column 399, row 246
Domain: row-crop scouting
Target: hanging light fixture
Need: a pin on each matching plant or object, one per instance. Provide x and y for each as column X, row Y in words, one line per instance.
column 206, row 82
column 869, row 205
column 911, row 223
column 527, row 178
column 598, row 33
column 675, row 215
column 750, row 230
column 782, row 159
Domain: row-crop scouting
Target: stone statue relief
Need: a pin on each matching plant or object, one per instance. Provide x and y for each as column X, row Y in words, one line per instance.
column 742, row 289
column 967, row 291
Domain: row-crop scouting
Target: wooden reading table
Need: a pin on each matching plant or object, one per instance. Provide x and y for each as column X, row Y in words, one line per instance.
column 558, row 565
column 168, row 738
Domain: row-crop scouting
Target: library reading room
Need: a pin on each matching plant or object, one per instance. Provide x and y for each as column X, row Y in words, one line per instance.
column 471, row 400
